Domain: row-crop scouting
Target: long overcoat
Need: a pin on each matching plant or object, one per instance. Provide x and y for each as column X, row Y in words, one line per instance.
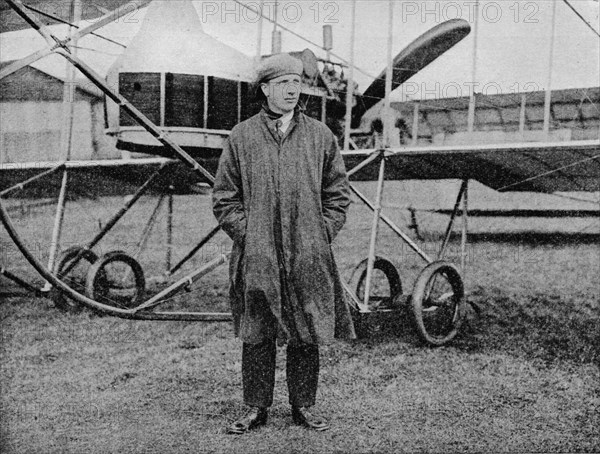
column 283, row 201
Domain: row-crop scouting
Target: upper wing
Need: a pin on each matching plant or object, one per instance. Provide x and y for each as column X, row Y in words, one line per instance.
column 538, row 167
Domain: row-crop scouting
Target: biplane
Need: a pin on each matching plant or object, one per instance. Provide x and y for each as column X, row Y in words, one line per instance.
column 181, row 115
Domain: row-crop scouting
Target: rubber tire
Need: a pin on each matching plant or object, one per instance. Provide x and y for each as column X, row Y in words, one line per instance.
column 453, row 277
column 363, row 323
column 359, row 275
column 94, row 274
column 61, row 301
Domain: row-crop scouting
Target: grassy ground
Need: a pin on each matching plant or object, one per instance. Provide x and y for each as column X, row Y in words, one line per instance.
column 523, row 375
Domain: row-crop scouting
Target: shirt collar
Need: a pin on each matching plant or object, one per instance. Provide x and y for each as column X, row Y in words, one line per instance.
column 269, row 117
column 285, row 120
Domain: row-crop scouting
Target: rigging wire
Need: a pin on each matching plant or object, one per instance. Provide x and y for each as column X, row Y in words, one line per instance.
column 582, row 18
column 91, row 49
column 543, row 174
column 297, row 35
column 344, row 61
column 578, row 199
column 62, row 21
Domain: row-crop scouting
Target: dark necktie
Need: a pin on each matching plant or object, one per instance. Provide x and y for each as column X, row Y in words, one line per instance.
column 278, row 125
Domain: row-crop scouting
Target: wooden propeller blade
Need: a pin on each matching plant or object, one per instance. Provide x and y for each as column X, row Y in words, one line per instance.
column 416, row 56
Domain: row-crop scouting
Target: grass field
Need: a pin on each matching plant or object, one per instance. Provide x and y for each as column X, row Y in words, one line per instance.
column 522, row 376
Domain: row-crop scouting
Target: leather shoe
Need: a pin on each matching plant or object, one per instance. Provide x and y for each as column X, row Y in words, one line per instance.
column 254, row 417
column 303, row 417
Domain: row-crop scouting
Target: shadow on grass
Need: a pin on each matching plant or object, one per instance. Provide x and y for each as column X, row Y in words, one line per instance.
column 381, row 327
column 537, row 238
column 530, row 238
column 543, row 327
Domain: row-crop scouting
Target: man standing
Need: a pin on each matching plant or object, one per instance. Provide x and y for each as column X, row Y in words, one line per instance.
column 281, row 193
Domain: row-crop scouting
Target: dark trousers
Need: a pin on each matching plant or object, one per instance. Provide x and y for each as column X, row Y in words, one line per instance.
column 258, row 373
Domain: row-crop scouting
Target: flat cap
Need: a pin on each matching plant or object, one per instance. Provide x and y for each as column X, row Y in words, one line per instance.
column 278, row 65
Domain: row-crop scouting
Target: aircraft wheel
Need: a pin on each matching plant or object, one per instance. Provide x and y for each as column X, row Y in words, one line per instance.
column 74, row 278
column 117, row 280
column 437, row 303
column 385, row 283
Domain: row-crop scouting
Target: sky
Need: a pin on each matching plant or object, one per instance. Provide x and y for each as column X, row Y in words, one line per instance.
column 513, row 40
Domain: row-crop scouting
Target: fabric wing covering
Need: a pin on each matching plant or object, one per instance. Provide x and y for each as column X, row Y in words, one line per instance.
column 550, row 167
column 537, row 167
